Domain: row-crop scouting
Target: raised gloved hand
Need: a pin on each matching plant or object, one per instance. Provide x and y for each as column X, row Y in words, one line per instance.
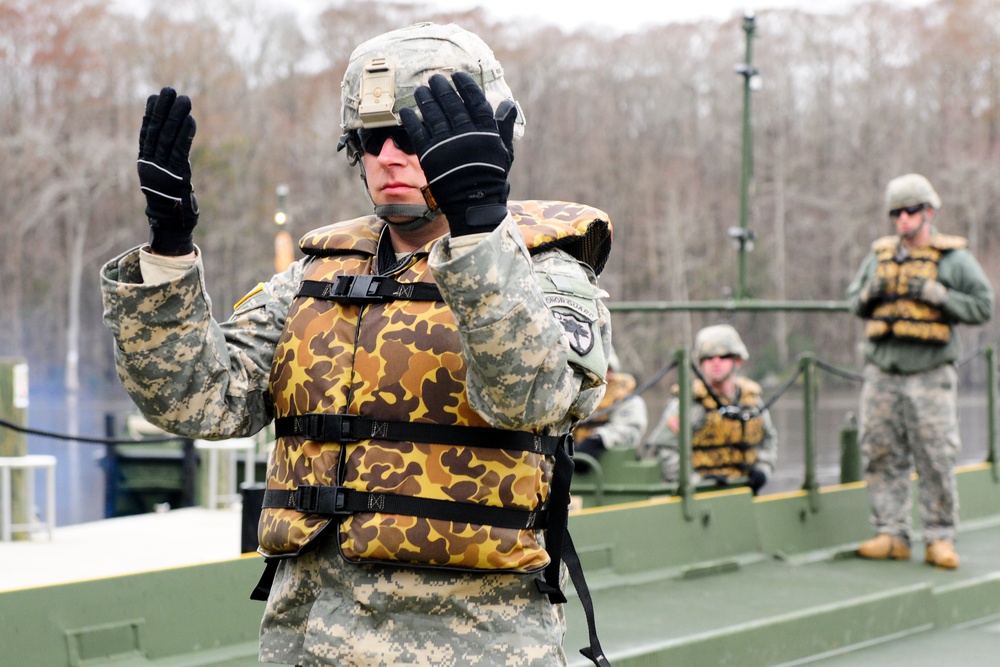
column 928, row 291
column 165, row 173
column 756, row 479
column 465, row 151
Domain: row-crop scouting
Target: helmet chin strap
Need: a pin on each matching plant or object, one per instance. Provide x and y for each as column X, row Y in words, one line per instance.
column 419, row 214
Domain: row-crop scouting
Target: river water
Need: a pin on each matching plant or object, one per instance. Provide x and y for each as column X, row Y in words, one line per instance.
column 80, row 476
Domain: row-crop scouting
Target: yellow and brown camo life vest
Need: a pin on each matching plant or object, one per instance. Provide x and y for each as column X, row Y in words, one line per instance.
column 726, row 446
column 619, row 387
column 903, row 315
column 399, row 361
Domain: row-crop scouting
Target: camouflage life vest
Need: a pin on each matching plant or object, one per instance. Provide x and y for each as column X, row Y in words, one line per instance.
column 903, row 315
column 726, row 445
column 619, row 387
column 376, row 434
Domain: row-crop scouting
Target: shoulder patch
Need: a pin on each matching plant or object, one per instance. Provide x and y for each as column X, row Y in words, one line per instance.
column 579, row 331
column 249, row 295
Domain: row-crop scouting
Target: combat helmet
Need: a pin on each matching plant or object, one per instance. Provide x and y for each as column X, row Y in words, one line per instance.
column 383, row 73
column 719, row 340
column 910, row 190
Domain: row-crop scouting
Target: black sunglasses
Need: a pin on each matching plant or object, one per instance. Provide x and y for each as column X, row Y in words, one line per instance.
column 720, row 356
column 910, row 210
column 373, row 140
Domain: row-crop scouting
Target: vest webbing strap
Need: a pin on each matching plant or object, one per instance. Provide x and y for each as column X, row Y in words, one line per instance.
column 338, row 500
column 369, row 289
column 352, row 428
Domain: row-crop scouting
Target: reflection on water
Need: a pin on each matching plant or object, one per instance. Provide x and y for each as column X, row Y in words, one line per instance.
column 80, row 478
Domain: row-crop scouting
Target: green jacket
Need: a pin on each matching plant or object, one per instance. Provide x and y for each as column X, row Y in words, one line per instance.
column 970, row 301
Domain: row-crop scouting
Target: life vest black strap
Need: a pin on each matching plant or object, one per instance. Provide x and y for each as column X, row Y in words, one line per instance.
column 263, row 588
column 369, row 289
column 594, row 652
column 338, row 500
column 352, row 428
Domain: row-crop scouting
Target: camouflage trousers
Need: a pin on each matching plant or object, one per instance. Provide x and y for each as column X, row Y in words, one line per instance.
column 907, row 422
column 324, row 611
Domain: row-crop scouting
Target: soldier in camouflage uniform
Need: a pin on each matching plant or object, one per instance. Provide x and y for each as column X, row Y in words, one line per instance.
column 619, row 421
column 733, row 438
column 423, row 365
column 911, row 290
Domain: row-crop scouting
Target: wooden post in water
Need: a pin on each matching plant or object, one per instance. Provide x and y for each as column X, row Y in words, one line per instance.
column 14, row 409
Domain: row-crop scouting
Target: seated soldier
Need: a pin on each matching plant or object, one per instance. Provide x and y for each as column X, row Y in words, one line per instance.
column 733, row 439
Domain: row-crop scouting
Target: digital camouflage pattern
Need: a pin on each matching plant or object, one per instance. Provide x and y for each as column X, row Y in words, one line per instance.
column 383, row 73
column 903, row 314
column 909, row 190
column 619, row 387
column 719, row 340
column 910, row 422
column 328, row 612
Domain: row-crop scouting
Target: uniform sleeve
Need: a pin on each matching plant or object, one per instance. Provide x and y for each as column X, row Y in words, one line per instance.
column 187, row 373
column 535, row 358
column 970, row 296
column 862, row 277
column 626, row 424
column 767, row 448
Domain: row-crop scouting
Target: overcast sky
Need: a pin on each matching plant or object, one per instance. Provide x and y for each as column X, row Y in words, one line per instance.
column 626, row 15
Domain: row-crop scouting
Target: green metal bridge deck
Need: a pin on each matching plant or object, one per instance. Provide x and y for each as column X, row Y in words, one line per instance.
column 724, row 580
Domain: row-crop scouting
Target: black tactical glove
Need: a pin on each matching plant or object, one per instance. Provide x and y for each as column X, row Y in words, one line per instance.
column 874, row 290
column 756, row 479
column 928, row 291
column 592, row 445
column 464, row 151
column 165, row 172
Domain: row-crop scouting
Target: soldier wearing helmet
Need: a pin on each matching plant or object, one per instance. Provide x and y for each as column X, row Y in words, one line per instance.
column 733, row 438
column 620, row 419
column 911, row 290
column 423, row 366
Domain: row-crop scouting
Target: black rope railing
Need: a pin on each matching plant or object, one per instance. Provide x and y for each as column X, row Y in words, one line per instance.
column 79, row 438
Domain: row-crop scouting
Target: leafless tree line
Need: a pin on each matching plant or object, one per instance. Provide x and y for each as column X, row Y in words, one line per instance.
column 646, row 126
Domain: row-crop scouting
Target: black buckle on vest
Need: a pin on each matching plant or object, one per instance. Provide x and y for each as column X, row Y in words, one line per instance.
column 360, row 289
column 319, row 500
column 568, row 444
column 326, row 428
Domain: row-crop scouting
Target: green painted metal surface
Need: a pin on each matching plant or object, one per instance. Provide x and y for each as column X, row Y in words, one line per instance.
column 730, row 580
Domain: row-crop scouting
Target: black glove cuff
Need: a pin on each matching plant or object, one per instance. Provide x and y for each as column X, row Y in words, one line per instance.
column 168, row 240
column 476, row 219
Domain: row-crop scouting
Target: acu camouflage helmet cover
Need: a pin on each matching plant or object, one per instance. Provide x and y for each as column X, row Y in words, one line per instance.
column 383, row 72
column 909, row 190
column 719, row 340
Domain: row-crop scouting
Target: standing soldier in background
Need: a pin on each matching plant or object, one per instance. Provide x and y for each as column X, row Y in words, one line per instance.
column 620, row 419
column 911, row 290
column 424, row 365
column 733, row 439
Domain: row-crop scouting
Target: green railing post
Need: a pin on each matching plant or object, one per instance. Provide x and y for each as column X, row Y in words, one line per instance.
column 14, row 409
column 991, row 405
column 684, row 488
column 850, row 452
column 810, row 485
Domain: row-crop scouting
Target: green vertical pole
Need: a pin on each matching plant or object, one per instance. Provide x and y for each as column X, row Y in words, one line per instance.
column 14, row 409
column 684, row 488
column 991, row 403
column 746, row 169
column 850, row 453
column 808, row 362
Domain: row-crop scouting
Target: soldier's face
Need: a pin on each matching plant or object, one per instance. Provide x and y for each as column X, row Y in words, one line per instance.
column 719, row 369
column 394, row 176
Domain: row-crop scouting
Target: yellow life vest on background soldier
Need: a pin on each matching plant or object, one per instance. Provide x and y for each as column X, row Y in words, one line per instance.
column 619, row 387
column 726, row 446
column 376, row 434
column 903, row 315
